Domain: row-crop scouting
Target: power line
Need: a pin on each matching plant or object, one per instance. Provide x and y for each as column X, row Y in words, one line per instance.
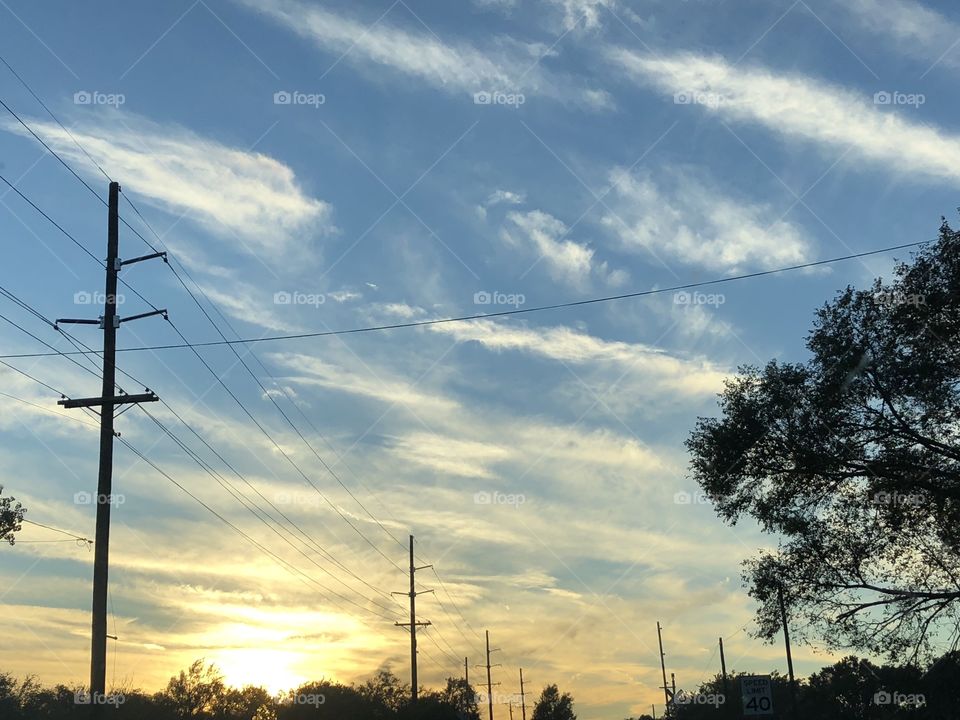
column 27, row 307
column 143, row 219
column 213, row 372
column 58, row 530
column 505, row 313
column 283, row 563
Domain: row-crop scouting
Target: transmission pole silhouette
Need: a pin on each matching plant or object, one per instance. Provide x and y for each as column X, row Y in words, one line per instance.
column 786, row 640
column 523, row 703
column 108, row 400
column 666, row 688
column 490, row 684
column 413, row 624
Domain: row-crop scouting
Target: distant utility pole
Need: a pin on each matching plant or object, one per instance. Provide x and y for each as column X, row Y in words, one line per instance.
column 413, row 624
column 663, row 669
column 466, row 671
column 107, row 401
column 490, row 684
column 523, row 702
column 723, row 670
column 786, row 640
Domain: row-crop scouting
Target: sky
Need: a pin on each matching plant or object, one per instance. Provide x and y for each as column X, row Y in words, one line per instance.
column 314, row 166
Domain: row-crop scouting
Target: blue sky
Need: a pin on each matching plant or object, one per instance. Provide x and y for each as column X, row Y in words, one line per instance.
column 626, row 146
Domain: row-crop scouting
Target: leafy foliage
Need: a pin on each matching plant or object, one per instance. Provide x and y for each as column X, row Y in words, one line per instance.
column 553, row 706
column 11, row 516
column 853, row 459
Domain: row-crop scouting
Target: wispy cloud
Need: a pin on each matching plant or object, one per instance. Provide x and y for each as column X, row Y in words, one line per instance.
column 689, row 220
column 662, row 371
column 505, row 197
column 567, row 261
column 505, row 65
column 231, row 192
column 582, row 13
column 800, row 107
column 918, row 31
column 307, row 370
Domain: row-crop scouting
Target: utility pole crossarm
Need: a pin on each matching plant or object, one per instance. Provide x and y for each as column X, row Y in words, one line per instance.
column 141, row 258
column 145, row 315
column 117, row 400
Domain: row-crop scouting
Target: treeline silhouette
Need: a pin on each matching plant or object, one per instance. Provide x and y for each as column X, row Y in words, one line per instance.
column 851, row 689
column 200, row 693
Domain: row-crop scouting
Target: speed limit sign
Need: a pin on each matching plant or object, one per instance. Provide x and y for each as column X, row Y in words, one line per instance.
column 757, row 694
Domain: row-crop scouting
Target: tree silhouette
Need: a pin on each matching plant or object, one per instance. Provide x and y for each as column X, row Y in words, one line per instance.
column 553, row 706
column 11, row 516
column 461, row 696
column 197, row 692
column 853, row 459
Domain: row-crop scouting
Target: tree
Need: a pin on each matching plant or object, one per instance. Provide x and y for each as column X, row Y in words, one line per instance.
column 553, row 706
column 11, row 517
column 461, row 696
column 198, row 692
column 387, row 689
column 853, row 459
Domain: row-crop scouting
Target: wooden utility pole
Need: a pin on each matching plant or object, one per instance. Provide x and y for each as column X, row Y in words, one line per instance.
column 786, row 640
column 523, row 702
column 490, row 682
column 107, row 402
column 466, row 672
column 663, row 669
column 413, row 624
column 723, row 671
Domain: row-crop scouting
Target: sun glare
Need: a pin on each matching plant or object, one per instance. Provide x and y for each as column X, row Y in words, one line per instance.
column 269, row 669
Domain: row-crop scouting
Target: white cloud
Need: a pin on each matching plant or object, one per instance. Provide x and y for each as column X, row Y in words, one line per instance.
column 234, row 193
column 919, row 31
column 582, row 13
column 797, row 106
column 466, row 458
column 567, row 261
column 688, row 220
column 505, row 197
column 660, row 370
column 506, row 65
column 312, row 371
column 400, row 310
